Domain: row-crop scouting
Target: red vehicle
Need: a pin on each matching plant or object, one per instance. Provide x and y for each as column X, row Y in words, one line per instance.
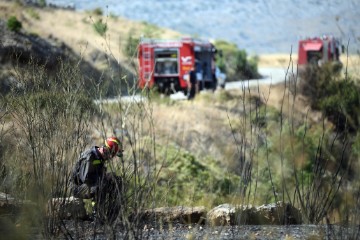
column 319, row 50
column 165, row 63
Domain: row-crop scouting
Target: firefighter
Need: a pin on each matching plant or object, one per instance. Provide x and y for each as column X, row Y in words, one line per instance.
column 90, row 169
column 192, row 86
column 213, row 73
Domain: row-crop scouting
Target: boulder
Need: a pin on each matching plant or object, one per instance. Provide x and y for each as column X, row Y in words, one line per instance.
column 8, row 205
column 12, row 207
column 279, row 213
column 67, row 208
column 221, row 215
column 180, row 214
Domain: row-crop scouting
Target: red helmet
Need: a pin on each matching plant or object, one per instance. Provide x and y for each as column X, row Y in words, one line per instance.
column 114, row 145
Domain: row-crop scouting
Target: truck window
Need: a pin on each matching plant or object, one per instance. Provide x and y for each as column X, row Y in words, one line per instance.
column 313, row 57
column 166, row 62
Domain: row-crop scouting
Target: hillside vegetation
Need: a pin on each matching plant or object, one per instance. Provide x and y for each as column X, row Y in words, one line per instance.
column 245, row 146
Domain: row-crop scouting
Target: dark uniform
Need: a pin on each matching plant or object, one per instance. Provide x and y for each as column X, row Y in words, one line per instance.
column 193, row 82
column 87, row 173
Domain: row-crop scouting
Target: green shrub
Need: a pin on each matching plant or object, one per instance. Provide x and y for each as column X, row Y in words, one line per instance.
column 132, row 42
column 185, row 179
column 130, row 47
column 337, row 98
column 341, row 105
column 33, row 13
column 14, row 24
column 42, row 3
column 100, row 27
column 235, row 62
column 98, row 11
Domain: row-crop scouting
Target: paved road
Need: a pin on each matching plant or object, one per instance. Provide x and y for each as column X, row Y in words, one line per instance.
column 270, row 76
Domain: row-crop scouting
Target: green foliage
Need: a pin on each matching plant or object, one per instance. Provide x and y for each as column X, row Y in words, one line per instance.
column 224, row 96
column 14, row 24
column 98, row 11
column 263, row 115
column 252, row 67
column 113, row 15
column 220, row 97
column 235, row 62
column 58, row 103
column 100, row 27
column 309, row 139
column 245, row 67
column 342, row 104
column 240, row 60
column 33, row 13
column 187, row 180
column 337, row 98
column 356, row 145
column 226, row 47
column 131, row 46
column 42, row 3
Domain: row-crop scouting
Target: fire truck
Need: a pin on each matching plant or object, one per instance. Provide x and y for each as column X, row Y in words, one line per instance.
column 165, row 64
column 319, row 50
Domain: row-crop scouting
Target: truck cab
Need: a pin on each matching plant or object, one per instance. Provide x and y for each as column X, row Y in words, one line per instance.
column 319, row 50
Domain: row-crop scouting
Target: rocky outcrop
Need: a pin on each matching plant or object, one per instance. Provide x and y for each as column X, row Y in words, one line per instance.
column 226, row 214
column 279, row 213
column 21, row 49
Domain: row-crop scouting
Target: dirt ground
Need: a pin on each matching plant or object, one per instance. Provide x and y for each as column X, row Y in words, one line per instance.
column 195, row 231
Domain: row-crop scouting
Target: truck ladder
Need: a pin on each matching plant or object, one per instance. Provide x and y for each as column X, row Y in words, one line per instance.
column 147, row 62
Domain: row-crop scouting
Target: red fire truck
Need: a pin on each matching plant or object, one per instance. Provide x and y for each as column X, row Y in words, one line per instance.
column 319, row 50
column 165, row 63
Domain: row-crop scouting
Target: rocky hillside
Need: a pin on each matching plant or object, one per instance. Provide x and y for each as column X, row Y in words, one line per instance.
column 76, row 29
column 50, row 33
column 20, row 49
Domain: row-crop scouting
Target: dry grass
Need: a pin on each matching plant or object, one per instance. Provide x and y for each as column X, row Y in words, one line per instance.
column 185, row 120
column 353, row 65
column 275, row 60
